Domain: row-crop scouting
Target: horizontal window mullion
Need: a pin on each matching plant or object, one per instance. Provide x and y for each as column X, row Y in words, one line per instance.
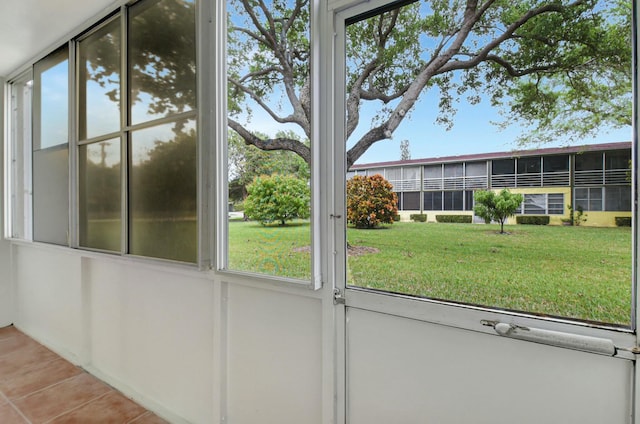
column 164, row 120
column 99, row 138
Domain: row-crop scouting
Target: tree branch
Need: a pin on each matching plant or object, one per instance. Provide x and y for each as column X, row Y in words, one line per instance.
column 280, row 143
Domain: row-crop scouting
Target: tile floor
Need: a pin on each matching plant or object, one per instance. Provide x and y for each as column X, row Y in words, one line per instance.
column 37, row 387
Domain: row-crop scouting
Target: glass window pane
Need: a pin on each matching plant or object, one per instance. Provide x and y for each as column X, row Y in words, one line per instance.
column 529, row 165
column 52, row 111
column 100, row 195
column 555, row 203
column 432, row 200
column 535, row 204
column 617, row 160
column 452, row 170
column 20, row 207
column 268, row 84
column 162, row 192
column 393, row 174
column 51, row 153
column 99, row 82
column 468, row 200
column 503, row 167
column 411, row 201
column 589, row 161
column 433, row 171
column 452, row 200
column 476, row 169
column 162, row 58
column 618, row 198
column 51, row 195
column 556, row 163
column 411, row 173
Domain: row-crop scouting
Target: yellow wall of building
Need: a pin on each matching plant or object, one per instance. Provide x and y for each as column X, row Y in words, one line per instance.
column 593, row 218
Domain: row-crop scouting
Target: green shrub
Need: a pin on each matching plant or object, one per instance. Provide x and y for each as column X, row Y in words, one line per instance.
column 623, row 221
column 396, row 217
column 459, row 219
column 370, row 201
column 418, row 217
column 532, row 220
column 277, row 198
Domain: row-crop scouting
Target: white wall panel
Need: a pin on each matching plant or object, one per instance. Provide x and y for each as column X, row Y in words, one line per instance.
column 153, row 332
column 407, row 371
column 6, row 293
column 274, row 357
column 48, row 297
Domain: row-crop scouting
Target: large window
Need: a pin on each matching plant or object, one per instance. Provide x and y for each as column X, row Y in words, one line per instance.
column 99, row 123
column 467, row 71
column 269, row 138
column 588, row 199
column 18, row 207
column 51, row 148
column 543, row 204
column 133, row 186
column 137, row 148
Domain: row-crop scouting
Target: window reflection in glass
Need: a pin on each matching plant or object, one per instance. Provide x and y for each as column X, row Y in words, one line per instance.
column 54, row 103
column 99, row 87
column 99, row 195
column 51, row 149
column 162, row 58
column 162, row 192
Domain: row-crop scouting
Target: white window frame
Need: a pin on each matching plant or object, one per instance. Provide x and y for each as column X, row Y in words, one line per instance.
column 17, row 149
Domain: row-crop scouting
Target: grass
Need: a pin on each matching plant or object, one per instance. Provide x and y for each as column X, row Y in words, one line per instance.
column 272, row 249
column 576, row 272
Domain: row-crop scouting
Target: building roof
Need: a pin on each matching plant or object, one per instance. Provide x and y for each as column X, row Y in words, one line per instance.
column 500, row 155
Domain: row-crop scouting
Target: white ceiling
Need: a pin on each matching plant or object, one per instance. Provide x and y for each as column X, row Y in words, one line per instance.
column 28, row 27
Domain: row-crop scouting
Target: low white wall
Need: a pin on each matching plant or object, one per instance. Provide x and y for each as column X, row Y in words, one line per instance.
column 274, row 357
column 6, row 292
column 406, row 371
column 150, row 331
column 202, row 350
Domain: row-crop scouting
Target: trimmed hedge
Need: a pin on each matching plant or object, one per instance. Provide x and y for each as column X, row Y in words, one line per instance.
column 418, row 217
column 532, row 220
column 458, row 219
column 623, row 221
column 396, row 217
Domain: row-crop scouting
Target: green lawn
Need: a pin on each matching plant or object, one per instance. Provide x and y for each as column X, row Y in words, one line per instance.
column 577, row 272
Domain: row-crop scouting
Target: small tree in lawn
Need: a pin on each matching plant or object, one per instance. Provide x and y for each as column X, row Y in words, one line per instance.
column 496, row 207
column 277, row 198
column 370, row 201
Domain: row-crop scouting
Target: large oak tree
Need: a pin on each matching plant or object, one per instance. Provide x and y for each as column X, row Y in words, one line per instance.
column 550, row 64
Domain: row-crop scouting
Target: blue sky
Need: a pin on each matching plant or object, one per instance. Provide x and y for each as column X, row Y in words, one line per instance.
column 473, row 132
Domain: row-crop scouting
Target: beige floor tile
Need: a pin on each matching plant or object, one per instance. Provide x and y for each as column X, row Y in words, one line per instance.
column 38, row 378
column 112, row 408
column 8, row 415
column 58, row 399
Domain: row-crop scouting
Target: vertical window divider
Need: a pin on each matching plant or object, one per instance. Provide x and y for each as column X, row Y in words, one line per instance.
column 73, row 146
column 205, row 137
column 218, row 108
column 124, row 134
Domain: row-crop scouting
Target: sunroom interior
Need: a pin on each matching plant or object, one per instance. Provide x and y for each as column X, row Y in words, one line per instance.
column 135, row 134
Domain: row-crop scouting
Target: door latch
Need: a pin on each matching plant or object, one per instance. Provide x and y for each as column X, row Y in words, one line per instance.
column 338, row 297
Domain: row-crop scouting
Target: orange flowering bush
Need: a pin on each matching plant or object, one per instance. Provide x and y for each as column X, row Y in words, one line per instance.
column 370, row 201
